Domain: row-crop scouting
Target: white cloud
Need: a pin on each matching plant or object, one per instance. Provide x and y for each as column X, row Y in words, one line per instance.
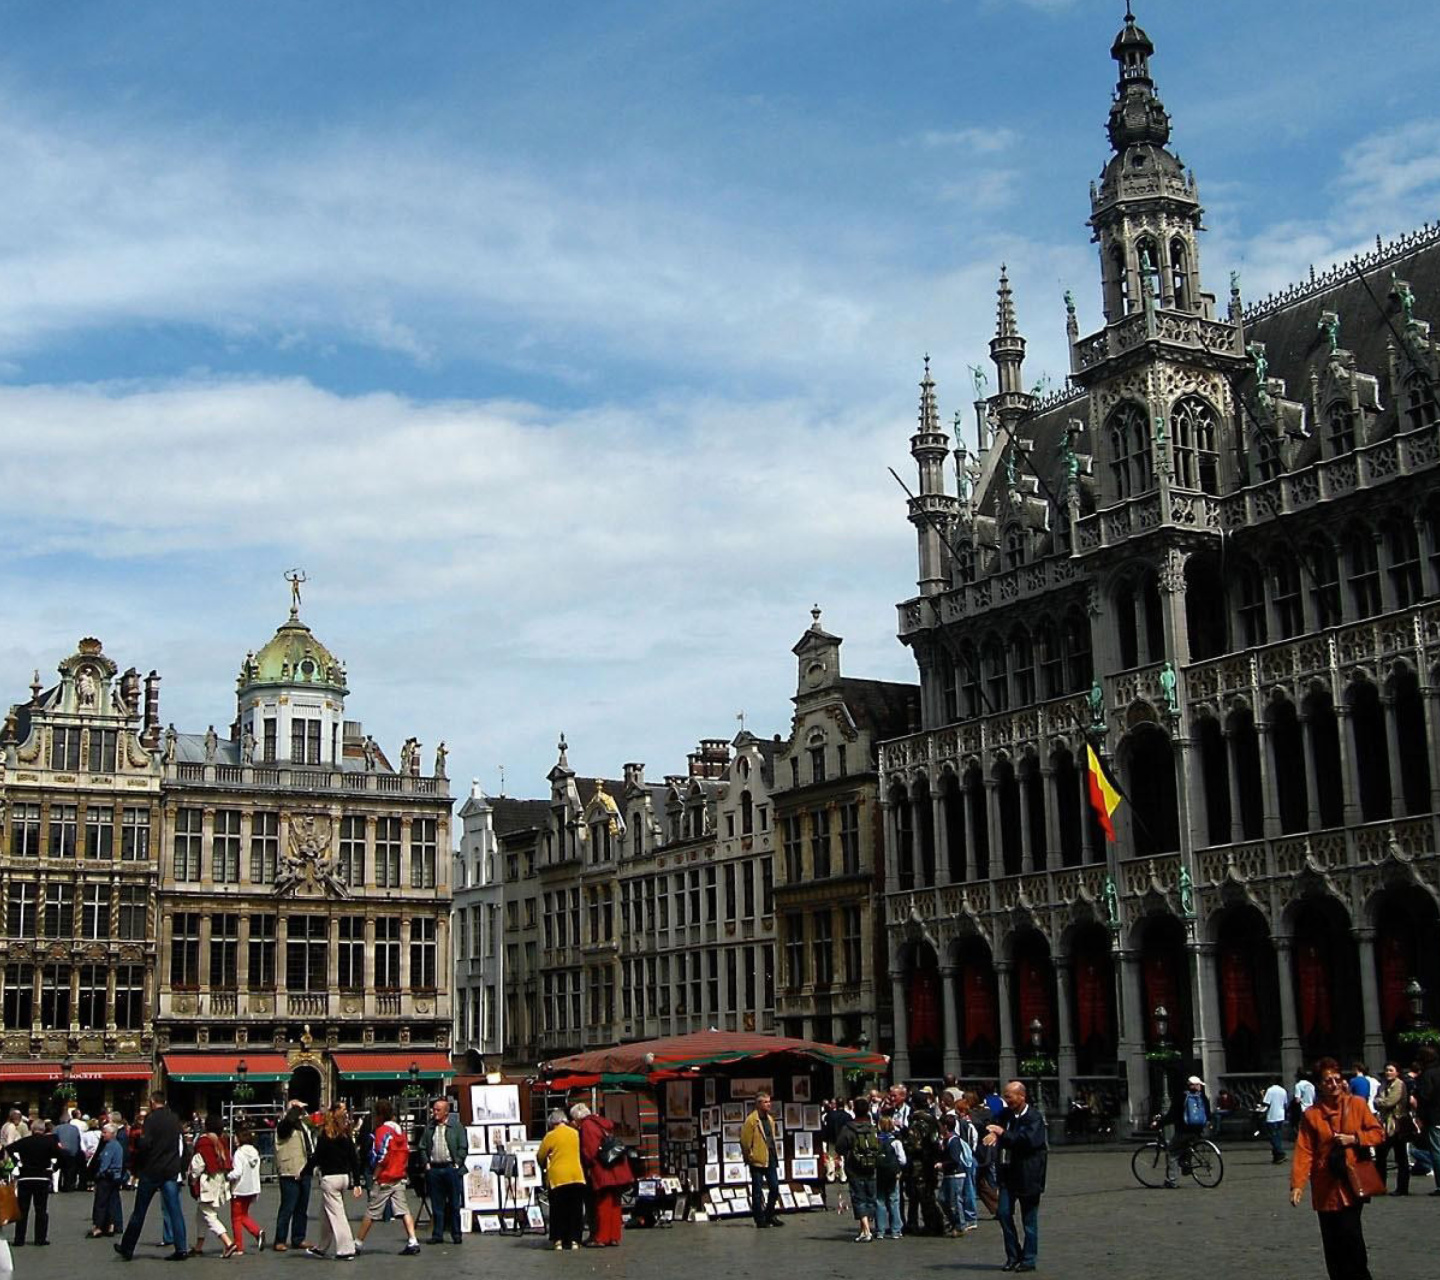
column 975, row 139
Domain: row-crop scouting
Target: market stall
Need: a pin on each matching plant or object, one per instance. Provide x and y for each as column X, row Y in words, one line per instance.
column 695, row 1092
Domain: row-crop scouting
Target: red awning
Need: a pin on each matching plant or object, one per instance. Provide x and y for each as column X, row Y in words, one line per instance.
column 647, row 1058
column 222, row 1067
column 111, row 1071
column 391, row 1064
column 41, row 1071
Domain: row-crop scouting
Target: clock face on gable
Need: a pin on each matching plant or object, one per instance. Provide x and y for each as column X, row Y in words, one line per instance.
column 815, row 673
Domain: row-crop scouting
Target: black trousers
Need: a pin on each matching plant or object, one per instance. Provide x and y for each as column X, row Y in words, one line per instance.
column 1402, row 1162
column 36, row 1192
column 1343, row 1237
column 567, row 1213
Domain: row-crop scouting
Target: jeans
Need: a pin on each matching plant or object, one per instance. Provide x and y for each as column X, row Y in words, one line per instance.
column 170, row 1206
column 887, row 1212
column 1276, row 1132
column 1432, row 1134
column 294, row 1211
column 967, row 1201
column 446, row 1193
column 764, row 1179
column 1343, row 1239
column 863, row 1195
column 952, row 1198
column 1030, row 1220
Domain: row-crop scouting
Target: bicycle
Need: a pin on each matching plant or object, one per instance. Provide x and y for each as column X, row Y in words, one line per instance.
column 1199, row 1158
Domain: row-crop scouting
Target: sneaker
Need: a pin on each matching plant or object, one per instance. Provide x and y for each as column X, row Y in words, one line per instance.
column 260, row 1243
column 410, row 1250
column 344, row 1257
column 313, row 1252
column 558, row 1245
column 864, row 1238
column 572, row 1245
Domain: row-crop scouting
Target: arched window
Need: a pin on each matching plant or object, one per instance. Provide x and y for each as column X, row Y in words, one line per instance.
column 1120, row 277
column 1077, row 650
column 1419, row 402
column 969, row 664
column 953, row 801
column 965, row 565
column 1339, row 428
column 1007, row 796
column 1268, row 462
column 1131, row 460
column 1180, row 274
column 1205, row 623
column 979, row 819
column 1014, row 547
column 637, row 833
column 1402, row 551
column 1325, row 583
column 996, row 681
column 1287, row 751
column 747, row 813
column 1408, row 708
column 1147, row 262
column 1022, row 666
column 1215, row 774
column 1150, row 772
column 1250, row 606
column 1197, row 461
column 1285, row 591
column 904, row 837
column 1052, row 660
column 1323, row 726
column 1245, row 754
column 1362, row 560
column 949, row 689
column 1372, row 756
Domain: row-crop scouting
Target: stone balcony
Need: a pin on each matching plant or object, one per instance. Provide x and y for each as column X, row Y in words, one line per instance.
column 298, row 778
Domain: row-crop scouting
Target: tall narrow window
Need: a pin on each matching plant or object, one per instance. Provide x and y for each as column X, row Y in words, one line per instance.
column 1363, row 561
column 262, row 953
column 264, row 847
column 306, row 951
column 1402, row 548
column 1180, row 275
column 1197, row 460
column 20, row 909
column 25, row 831
column 1339, row 428
column 102, row 750
column 135, row 835
column 422, row 853
column 269, row 740
column 1250, row 587
column 65, row 749
column 1022, row 667
column 18, row 1008
column 820, row 843
column 351, row 975
column 792, row 845
column 59, row 911
column 185, row 951
column 850, row 839
column 1131, row 458
column 189, row 824
column 90, row 1014
column 422, row 953
column 63, row 819
column 99, row 832
column 823, row 948
column 1325, row 583
column 352, row 850
column 55, row 996
column 224, row 952
column 1285, row 591
column 129, row 997
column 851, row 944
column 387, row 853
column 95, row 912
column 387, row 953
column 134, row 912
column 225, row 847
column 1420, row 410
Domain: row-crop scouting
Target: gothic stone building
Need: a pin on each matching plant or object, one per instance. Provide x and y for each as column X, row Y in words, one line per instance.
column 80, row 785
column 305, row 892
column 1218, row 552
column 829, row 870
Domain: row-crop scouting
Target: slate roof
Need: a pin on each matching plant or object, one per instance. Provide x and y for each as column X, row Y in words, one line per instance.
column 885, row 707
column 510, row 816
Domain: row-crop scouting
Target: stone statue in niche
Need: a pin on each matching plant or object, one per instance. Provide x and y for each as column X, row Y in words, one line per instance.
column 172, row 740
column 440, row 756
column 86, row 688
column 1167, row 688
column 247, row 748
column 1112, row 901
column 1097, row 708
column 371, row 752
column 212, row 744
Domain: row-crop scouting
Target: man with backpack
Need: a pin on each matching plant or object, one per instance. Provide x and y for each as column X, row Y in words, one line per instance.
column 859, row 1146
column 1187, row 1118
column 958, row 1171
column 391, row 1160
column 921, row 1179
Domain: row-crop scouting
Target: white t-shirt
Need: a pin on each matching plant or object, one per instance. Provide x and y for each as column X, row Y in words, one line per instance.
column 89, row 1143
column 1304, row 1094
column 1275, row 1100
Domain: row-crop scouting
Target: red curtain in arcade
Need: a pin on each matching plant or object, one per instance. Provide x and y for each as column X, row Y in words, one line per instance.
column 1239, row 1010
column 1093, row 987
column 1394, row 974
column 1034, row 986
column 979, row 1005
column 1160, row 989
column 1313, row 980
column 924, row 1008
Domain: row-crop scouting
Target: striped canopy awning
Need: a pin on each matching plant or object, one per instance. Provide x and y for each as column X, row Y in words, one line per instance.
column 392, row 1064
column 645, row 1060
column 223, row 1068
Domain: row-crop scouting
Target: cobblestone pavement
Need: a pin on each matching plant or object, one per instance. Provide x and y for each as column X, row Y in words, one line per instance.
column 1094, row 1221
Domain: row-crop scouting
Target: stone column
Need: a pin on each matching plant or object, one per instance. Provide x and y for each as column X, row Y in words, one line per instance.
column 1232, row 770
column 242, row 960
column 109, row 997
column 972, row 857
column 900, row 1015
column 205, row 923
column 1023, row 783
column 1087, row 833
column 1312, row 777
column 1392, row 749
column 950, row 1005
column 1051, row 793
column 1269, row 796
column 994, row 843
column 1291, row 1055
column 1430, row 700
column 1349, row 771
column 1009, row 1059
column 892, row 845
column 1065, row 1030
column 1205, row 999
column 1369, row 994
column 1132, row 1035
column 941, row 826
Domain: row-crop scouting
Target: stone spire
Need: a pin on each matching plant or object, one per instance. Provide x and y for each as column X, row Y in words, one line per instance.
column 932, row 510
column 1136, row 115
column 1007, row 347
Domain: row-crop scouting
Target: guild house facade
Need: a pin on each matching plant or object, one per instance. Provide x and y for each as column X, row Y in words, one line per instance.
column 1216, row 555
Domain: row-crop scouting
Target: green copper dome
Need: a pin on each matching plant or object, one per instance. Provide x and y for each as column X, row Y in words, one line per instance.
column 293, row 657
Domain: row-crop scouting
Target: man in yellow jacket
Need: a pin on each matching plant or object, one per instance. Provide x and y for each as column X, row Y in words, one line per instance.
column 761, row 1151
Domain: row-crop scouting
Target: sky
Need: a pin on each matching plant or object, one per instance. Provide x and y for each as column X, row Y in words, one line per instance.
column 566, row 347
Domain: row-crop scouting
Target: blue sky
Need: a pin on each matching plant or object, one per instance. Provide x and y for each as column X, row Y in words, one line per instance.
column 566, row 347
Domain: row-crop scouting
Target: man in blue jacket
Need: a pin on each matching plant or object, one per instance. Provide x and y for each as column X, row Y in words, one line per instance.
column 1023, row 1148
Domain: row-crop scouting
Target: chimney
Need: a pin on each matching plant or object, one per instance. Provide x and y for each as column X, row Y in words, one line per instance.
column 150, row 732
column 634, row 775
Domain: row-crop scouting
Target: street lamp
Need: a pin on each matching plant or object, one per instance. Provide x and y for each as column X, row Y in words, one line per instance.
column 1415, row 994
column 1037, row 1043
column 1162, row 1044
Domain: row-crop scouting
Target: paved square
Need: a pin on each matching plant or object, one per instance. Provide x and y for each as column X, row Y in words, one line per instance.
column 1095, row 1221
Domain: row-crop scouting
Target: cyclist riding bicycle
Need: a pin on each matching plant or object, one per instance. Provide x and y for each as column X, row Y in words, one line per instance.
column 1184, row 1123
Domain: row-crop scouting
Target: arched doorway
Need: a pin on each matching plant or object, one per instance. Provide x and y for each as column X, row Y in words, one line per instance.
column 1407, row 922
column 923, row 1020
column 1327, row 980
column 1033, row 991
column 979, row 1009
column 1092, row 974
column 1248, row 981
column 306, row 1084
column 1165, row 974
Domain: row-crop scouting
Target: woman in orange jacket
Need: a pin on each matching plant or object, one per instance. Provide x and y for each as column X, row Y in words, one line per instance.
column 1335, row 1128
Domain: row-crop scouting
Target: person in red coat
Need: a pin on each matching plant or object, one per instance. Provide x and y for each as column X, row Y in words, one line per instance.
column 606, row 1182
column 1339, row 1122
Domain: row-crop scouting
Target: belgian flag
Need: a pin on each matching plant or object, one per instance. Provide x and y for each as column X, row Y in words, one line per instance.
column 1105, row 795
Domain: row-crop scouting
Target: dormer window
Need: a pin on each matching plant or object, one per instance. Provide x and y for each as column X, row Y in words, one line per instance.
column 1014, row 547
column 1339, row 428
column 817, row 763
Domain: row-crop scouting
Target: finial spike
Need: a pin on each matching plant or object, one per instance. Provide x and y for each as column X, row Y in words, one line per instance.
column 815, row 614
column 1129, row 13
